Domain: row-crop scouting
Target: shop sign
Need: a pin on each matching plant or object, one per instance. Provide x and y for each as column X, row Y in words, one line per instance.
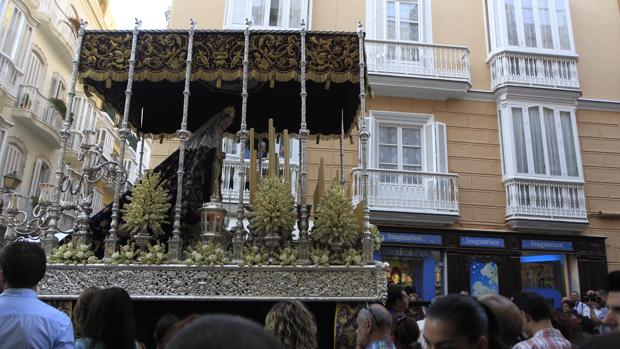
column 421, row 239
column 478, row 241
column 547, row 245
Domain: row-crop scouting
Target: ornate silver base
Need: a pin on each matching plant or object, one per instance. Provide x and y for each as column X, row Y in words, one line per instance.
column 180, row 282
column 110, row 243
column 48, row 242
column 81, row 239
column 143, row 240
column 175, row 249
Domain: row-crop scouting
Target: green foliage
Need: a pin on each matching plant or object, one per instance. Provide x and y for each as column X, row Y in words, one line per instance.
column 288, row 256
column 377, row 238
column 67, row 254
column 335, row 221
column 352, row 257
column 209, row 255
column 126, row 255
column 255, row 255
column 156, row 254
column 319, row 256
column 59, row 105
column 273, row 209
column 148, row 207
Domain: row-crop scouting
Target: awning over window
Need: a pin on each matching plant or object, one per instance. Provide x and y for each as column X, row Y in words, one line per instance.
column 332, row 75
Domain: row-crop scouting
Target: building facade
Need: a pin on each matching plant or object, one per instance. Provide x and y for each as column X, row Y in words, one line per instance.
column 495, row 135
column 38, row 43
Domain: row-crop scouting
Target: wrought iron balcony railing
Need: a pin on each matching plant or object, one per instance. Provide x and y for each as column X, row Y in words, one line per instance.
column 9, row 74
column 530, row 69
column 31, row 99
column 542, row 199
column 408, row 191
column 418, row 60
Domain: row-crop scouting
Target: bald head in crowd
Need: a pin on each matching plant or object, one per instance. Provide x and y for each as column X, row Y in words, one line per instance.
column 508, row 317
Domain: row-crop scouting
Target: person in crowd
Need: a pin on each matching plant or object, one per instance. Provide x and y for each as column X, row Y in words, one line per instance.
column 25, row 321
column 612, row 319
column 163, row 325
column 596, row 309
column 223, row 331
column 578, row 305
column 82, row 306
column 374, row 328
column 406, row 333
column 178, row 327
column 508, row 317
column 397, row 301
column 457, row 321
column 293, row 325
column 536, row 316
column 568, row 308
column 567, row 325
column 110, row 322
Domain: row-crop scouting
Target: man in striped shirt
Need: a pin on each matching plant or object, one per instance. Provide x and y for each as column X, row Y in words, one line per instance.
column 536, row 316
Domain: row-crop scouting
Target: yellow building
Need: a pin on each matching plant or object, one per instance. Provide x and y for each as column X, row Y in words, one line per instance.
column 37, row 45
column 495, row 134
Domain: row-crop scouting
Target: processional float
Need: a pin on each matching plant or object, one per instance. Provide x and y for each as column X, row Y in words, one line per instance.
column 311, row 81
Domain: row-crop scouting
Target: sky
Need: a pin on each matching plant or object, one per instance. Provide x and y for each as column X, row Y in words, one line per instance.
column 150, row 12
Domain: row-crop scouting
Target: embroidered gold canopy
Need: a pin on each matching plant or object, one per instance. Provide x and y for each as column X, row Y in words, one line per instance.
column 332, row 74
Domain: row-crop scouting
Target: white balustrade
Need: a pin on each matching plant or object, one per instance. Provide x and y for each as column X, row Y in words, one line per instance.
column 533, row 70
column 417, row 59
column 59, row 20
column 30, row 98
column 230, row 179
column 545, row 199
column 408, row 191
column 9, row 74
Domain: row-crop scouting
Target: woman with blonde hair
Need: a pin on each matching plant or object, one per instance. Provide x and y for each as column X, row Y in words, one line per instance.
column 292, row 324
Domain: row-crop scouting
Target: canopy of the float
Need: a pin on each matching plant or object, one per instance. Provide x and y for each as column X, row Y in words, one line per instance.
column 332, row 74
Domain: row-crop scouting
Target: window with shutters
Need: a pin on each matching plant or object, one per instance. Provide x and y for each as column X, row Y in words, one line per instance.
column 408, row 142
column 540, row 141
column 35, row 70
column 399, row 20
column 14, row 160
column 97, row 202
column 15, row 32
column 536, row 25
column 272, row 14
column 42, row 174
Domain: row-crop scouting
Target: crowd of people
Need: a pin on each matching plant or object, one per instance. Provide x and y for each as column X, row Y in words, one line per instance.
column 104, row 319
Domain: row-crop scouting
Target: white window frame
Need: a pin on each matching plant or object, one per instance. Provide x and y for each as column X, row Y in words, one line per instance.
column 503, row 35
column 375, row 8
column 36, row 176
column 230, row 5
column 35, row 69
column 17, row 166
column 426, row 123
column 97, row 202
column 23, row 34
column 509, row 163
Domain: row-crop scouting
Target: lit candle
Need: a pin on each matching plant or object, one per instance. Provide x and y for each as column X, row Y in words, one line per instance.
column 273, row 166
column 287, row 157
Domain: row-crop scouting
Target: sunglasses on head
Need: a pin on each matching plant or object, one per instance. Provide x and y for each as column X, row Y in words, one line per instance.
column 374, row 317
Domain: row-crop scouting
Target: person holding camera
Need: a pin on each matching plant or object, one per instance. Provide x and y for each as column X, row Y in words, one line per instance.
column 596, row 310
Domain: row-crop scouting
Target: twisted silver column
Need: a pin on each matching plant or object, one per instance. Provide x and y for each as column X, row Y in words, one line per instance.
column 48, row 239
column 123, row 132
column 367, row 244
column 304, row 239
column 243, row 135
column 175, row 244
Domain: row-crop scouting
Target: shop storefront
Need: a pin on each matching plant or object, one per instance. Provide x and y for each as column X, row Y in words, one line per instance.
column 435, row 262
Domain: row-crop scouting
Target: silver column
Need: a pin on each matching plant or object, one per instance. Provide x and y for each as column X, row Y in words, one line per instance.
column 243, row 135
column 175, row 244
column 48, row 239
column 304, row 240
column 123, row 132
column 363, row 136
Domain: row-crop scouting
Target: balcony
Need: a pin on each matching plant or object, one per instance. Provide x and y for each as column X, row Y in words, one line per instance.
column 57, row 24
column 409, row 198
column 40, row 117
column 533, row 70
column 9, row 75
column 230, row 180
column 415, row 69
column 545, row 204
